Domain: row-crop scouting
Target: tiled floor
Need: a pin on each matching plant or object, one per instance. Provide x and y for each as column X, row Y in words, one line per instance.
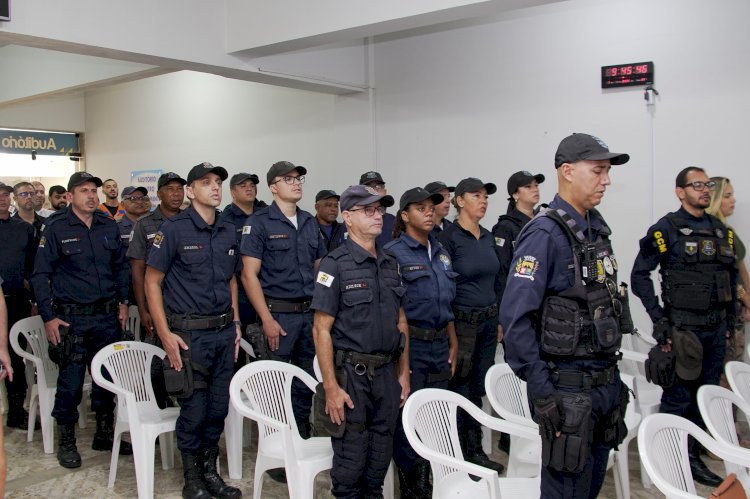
column 31, row 473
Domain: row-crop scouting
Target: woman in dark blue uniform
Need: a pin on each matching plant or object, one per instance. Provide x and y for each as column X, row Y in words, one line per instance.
column 430, row 288
column 474, row 256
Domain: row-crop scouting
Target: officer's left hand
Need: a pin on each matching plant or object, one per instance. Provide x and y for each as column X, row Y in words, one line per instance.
column 500, row 334
column 403, row 380
column 122, row 315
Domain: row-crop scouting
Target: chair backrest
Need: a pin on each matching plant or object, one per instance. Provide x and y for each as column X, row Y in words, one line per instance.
column 507, row 395
column 128, row 374
column 738, row 376
column 37, row 352
column 134, row 321
column 715, row 405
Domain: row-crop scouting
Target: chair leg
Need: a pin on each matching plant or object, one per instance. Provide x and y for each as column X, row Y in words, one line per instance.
column 261, row 467
column 143, row 457
column 166, row 444
column 233, row 433
column 388, row 484
column 33, row 407
column 46, row 400
column 622, row 472
column 113, row 460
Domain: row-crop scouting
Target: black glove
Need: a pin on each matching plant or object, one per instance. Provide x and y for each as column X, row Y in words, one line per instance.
column 547, row 415
column 662, row 331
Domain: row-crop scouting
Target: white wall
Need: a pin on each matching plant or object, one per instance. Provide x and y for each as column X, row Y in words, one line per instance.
column 64, row 113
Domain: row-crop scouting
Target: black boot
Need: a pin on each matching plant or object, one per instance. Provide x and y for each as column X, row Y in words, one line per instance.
column 194, row 487
column 406, row 483
column 700, row 471
column 504, row 443
column 18, row 417
column 422, row 487
column 67, row 452
column 213, row 480
column 474, row 452
column 105, row 435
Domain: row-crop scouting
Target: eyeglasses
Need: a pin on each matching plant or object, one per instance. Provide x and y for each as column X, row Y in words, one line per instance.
column 699, row 185
column 136, row 199
column 370, row 210
column 24, row 194
column 292, row 180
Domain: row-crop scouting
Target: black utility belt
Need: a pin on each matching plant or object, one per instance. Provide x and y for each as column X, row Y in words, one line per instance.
column 418, row 333
column 685, row 318
column 192, row 323
column 107, row 307
column 475, row 315
column 365, row 363
column 586, row 380
column 288, row 307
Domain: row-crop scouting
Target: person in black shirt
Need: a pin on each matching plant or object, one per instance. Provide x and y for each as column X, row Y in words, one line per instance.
column 23, row 195
column 326, row 211
column 441, row 209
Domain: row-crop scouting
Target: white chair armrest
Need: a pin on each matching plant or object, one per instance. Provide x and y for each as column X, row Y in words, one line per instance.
column 634, row 356
column 526, row 430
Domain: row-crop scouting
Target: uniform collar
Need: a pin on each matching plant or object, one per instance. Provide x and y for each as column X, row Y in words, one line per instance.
column 594, row 219
column 97, row 217
column 686, row 214
column 360, row 255
column 275, row 213
column 519, row 215
column 198, row 220
column 237, row 211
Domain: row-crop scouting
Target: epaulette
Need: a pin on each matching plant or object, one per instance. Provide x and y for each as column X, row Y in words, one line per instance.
column 338, row 252
column 145, row 215
column 58, row 215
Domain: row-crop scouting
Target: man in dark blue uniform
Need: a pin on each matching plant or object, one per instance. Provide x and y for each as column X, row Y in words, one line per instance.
column 695, row 255
column 562, row 315
column 326, row 211
column 16, row 263
column 192, row 294
column 375, row 180
column 281, row 248
column 135, row 203
column 80, row 281
column 359, row 323
column 440, row 218
column 244, row 190
column 23, row 195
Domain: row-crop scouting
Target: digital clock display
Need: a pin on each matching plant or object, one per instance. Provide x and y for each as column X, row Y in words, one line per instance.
column 625, row 75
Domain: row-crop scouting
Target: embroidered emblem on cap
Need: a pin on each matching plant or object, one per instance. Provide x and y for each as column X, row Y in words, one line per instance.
column 600, row 142
column 526, row 267
column 324, row 279
column 371, row 190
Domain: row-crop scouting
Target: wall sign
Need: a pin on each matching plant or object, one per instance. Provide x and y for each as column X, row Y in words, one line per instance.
column 626, row 75
column 147, row 179
column 44, row 143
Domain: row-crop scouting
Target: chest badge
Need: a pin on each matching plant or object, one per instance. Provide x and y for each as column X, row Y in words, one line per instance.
column 686, row 231
column 720, row 233
column 600, row 275
column 526, row 267
column 691, row 248
column 708, row 248
column 609, row 268
column 445, row 260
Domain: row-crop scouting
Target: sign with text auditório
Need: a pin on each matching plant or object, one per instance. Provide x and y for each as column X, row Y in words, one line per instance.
column 41, row 143
column 147, row 179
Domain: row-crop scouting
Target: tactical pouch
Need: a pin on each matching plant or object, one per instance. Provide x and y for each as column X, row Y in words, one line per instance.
column 322, row 424
column 257, row 339
column 571, row 449
column 723, row 287
column 626, row 320
column 614, row 430
column 561, row 326
column 689, row 290
column 608, row 335
column 467, row 338
column 179, row 383
column 63, row 352
column 660, row 367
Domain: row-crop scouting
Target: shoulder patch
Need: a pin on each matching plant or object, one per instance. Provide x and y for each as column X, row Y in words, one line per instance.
column 526, row 267
column 42, row 242
column 158, row 238
column 499, row 241
column 246, row 229
column 661, row 243
column 324, row 279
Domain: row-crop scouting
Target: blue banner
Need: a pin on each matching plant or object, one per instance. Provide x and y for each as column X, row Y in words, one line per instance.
column 147, row 179
column 44, row 143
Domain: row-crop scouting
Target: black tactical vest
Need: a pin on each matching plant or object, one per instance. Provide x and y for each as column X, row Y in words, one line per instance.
column 584, row 320
column 696, row 281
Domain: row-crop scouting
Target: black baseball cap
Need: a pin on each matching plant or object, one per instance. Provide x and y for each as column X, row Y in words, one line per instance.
column 437, row 186
column 582, row 146
column 130, row 190
column 199, row 171
column 370, row 177
column 417, row 195
column 168, row 177
column 473, row 184
column 238, row 178
column 326, row 194
column 79, row 178
column 363, row 195
column 6, row 187
column 282, row 168
column 519, row 179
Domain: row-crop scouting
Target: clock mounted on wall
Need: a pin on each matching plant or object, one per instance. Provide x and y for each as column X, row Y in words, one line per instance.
column 626, row 75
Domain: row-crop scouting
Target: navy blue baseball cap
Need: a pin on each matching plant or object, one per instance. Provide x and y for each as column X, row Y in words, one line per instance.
column 199, row 171
column 363, row 195
column 582, row 146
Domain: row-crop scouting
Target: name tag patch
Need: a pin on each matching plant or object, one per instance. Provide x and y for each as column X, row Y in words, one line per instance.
column 70, row 240
column 356, row 285
column 278, row 236
column 192, row 247
column 150, row 236
column 324, row 279
column 413, row 268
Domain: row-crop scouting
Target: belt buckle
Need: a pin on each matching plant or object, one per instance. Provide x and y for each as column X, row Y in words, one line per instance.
column 360, row 369
column 587, row 381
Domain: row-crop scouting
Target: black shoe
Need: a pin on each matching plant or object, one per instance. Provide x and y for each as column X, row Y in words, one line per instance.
column 277, row 475
column 105, row 436
column 67, row 452
column 475, row 454
column 194, row 487
column 213, row 481
column 19, row 418
column 405, row 483
column 702, row 474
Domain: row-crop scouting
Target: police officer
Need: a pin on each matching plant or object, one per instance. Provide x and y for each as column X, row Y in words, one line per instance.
column 359, row 323
column 561, row 313
column 427, row 272
column 198, row 324
column 695, row 255
column 281, row 247
column 471, row 249
column 135, row 204
column 23, row 195
column 81, row 283
column 440, row 218
column 244, row 190
column 326, row 211
column 375, row 180
column 16, row 263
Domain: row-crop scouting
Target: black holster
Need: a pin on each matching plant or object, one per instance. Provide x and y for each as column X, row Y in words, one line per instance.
column 63, row 352
column 257, row 339
column 466, row 334
column 181, row 384
column 571, row 449
column 613, row 430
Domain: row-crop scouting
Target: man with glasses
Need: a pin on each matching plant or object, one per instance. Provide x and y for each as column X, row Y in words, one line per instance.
column 281, row 248
column 360, row 332
column 135, row 203
column 23, row 195
column 695, row 255
column 375, row 180
column 564, row 317
column 441, row 209
column 58, row 198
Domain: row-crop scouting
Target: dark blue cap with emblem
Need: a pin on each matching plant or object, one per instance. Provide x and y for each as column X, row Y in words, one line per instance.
column 371, row 178
column 168, row 177
column 363, row 195
column 199, row 171
column 79, row 178
column 585, row 147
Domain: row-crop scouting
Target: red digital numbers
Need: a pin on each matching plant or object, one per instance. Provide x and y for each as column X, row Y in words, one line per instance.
column 639, row 73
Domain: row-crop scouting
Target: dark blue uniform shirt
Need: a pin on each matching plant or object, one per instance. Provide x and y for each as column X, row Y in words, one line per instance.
column 506, row 232
column 477, row 264
column 364, row 294
column 543, row 265
column 79, row 265
column 198, row 261
column 126, row 230
column 333, row 235
column 429, row 280
column 38, row 224
column 16, row 254
column 287, row 254
column 144, row 232
column 437, row 229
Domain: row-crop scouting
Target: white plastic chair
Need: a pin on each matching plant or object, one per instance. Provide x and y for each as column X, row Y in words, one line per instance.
column 237, row 434
column 738, row 376
column 128, row 363
column 430, row 425
column 134, row 322
column 262, row 391
column 715, row 405
column 663, row 446
column 43, row 391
